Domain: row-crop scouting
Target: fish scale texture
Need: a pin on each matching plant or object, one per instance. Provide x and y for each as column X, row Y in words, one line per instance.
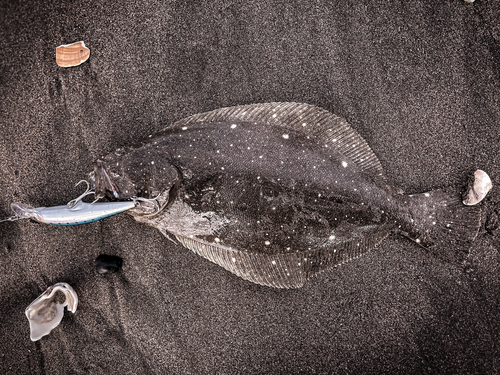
column 417, row 80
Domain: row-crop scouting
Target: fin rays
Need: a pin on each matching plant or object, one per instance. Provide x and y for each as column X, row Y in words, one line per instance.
column 329, row 129
column 287, row 270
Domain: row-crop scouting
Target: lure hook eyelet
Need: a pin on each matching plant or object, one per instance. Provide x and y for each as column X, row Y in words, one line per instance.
column 152, row 201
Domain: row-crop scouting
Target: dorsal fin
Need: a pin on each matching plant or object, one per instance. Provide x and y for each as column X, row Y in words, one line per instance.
column 329, row 129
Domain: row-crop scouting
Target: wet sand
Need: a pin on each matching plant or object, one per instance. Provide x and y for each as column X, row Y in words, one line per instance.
column 418, row 80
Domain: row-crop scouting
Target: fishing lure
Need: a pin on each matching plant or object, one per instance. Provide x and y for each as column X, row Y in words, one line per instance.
column 76, row 212
column 80, row 213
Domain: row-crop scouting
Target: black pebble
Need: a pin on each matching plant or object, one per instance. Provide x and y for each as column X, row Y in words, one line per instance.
column 105, row 263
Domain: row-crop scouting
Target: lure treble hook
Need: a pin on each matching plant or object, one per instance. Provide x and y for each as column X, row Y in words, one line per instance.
column 72, row 203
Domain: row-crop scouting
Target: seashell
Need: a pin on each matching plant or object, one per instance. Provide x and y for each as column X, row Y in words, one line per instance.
column 478, row 188
column 72, row 54
column 46, row 312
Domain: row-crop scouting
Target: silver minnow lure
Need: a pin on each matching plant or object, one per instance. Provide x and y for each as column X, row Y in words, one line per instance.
column 78, row 213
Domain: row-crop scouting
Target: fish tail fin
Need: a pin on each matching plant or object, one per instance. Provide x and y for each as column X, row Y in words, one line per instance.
column 441, row 223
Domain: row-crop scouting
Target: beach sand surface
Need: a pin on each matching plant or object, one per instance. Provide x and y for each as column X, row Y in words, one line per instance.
column 419, row 80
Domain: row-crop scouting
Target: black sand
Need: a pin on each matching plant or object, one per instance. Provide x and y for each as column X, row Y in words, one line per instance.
column 419, row 80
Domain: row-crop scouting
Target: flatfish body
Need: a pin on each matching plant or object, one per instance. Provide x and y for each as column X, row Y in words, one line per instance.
column 276, row 192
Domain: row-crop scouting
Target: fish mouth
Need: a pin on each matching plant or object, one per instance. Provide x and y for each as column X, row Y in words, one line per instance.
column 102, row 182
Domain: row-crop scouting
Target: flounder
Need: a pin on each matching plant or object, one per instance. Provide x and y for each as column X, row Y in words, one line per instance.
column 278, row 192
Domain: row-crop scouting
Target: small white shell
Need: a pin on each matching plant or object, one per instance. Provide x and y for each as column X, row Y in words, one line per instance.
column 72, row 54
column 45, row 313
column 478, row 188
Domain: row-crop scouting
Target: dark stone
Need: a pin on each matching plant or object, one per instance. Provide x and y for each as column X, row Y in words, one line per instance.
column 106, row 263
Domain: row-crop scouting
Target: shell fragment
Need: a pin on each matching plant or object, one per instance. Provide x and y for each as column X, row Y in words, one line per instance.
column 478, row 188
column 46, row 312
column 72, row 54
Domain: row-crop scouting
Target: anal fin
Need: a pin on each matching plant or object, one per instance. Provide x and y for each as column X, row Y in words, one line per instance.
column 287, row 270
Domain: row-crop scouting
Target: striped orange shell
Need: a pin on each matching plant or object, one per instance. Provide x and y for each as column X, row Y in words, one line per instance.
column 72, row 54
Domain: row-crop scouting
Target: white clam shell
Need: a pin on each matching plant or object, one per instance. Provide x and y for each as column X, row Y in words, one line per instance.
column 45, row 313
column 478, row 188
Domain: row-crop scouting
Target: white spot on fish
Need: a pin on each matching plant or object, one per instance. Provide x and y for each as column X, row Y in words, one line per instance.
column 152, row 162
column 344, row 164
column 285, row 136
column 331, row 237
column 234, row 260
column 184, row 128
column 427, row 194
column 217, row 239
column 267, row 243
column 232, row 127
